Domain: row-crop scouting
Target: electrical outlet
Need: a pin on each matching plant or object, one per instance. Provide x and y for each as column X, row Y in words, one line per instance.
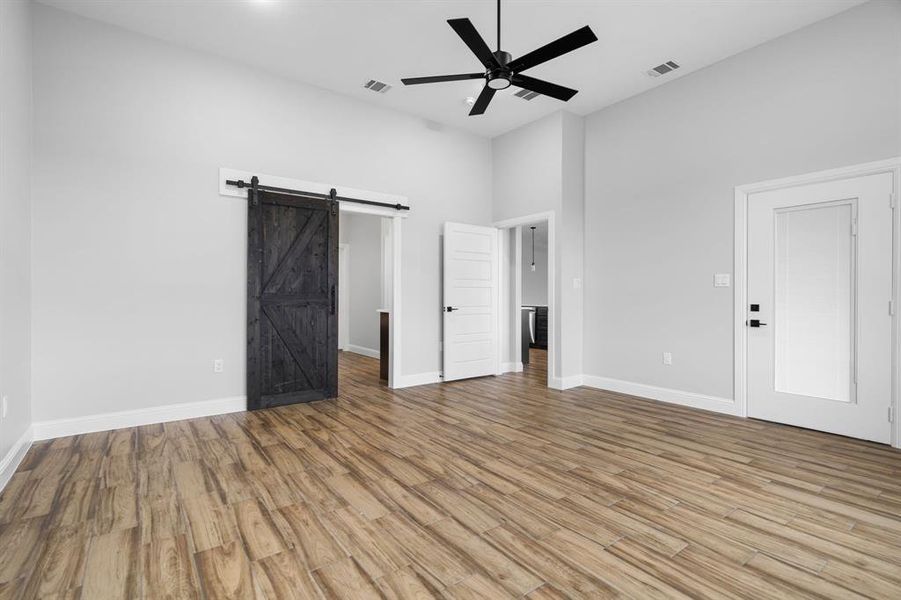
column 217, row 365
column 4, row 406
column 667, row 358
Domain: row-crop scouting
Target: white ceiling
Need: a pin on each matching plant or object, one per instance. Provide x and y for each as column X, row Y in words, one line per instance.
column 339, row 44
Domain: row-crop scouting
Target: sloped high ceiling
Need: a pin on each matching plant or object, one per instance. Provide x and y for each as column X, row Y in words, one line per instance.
column 338, row 45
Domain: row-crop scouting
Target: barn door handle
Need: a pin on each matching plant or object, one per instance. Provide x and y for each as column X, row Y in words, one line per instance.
column 332, row 299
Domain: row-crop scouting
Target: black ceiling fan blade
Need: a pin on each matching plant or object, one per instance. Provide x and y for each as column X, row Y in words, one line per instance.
column 441, row 78
column 544, row 87
column 482, row 101
column 568, row 43
column 467, row 32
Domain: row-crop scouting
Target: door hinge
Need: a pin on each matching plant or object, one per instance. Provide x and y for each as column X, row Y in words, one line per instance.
column 891, row 414
column 891, row 307
column 891, row 201
column 854, row 226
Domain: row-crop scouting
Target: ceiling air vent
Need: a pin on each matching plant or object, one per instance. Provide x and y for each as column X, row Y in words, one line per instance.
column 663, row 69
column 377, row 86
column 526, row 94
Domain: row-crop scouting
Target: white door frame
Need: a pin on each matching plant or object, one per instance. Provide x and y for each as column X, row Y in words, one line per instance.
column 740, row 337
column 395, row 337
column 506, row 312
column 343, row 296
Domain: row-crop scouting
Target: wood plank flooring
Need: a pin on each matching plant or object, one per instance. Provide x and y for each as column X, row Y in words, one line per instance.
column 490, row 488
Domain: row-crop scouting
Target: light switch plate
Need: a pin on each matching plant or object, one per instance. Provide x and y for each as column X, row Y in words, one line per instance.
column 721, row 280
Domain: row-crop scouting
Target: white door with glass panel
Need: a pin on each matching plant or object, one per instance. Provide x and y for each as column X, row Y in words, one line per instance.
column 470, row 301
column 819, row 315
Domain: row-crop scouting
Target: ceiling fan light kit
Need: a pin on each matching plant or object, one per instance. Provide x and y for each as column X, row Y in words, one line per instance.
column 502, row 70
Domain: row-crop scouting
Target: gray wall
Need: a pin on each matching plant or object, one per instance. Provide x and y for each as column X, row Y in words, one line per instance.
column 534, row 283
column 140, row 277
column 363, row 233
column 15, row 215
column 538, row 168
column 660, row 172
column 526, row 175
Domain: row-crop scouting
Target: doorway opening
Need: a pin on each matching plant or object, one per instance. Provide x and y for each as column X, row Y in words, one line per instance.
column 527, row 298
column 364, row 298
column 533, row 267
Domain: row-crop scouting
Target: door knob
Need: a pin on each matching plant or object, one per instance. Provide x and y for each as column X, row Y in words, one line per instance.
column 756, row 323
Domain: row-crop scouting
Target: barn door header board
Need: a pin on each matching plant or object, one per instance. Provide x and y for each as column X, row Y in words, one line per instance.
column 292, row 320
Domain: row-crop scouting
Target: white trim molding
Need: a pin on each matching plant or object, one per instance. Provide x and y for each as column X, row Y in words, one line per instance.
column 364, row 351
column 742, row 194
column 343, row 296
column 45, row 430
column 13, row 458
column 406, row 381
column 566, row 383
column 681, row 397
column 511, row 367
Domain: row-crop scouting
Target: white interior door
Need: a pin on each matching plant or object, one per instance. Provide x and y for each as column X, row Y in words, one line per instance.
column 819, row 288
column 470, row 301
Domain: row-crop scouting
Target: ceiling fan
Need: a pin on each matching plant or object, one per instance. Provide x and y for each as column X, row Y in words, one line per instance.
column 501, row 71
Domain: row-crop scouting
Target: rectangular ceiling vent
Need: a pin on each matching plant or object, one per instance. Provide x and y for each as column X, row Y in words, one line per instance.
column 526, row 94
column 663, row 69
column 377, row 86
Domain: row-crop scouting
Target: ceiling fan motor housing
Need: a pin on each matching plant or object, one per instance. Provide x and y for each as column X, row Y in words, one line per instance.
column 499, row 78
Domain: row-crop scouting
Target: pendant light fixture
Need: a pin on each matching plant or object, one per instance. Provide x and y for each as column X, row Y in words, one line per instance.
column 533, row 246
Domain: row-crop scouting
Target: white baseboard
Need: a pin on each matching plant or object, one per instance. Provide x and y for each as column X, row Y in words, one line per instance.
column 511, row 367
column 565, row 383
column 45, row 430
column 405, row 381
column 10, row 462
column 712, row 403
column 364, row 351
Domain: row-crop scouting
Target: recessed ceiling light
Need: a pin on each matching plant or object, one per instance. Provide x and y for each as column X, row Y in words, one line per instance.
column 470, row 101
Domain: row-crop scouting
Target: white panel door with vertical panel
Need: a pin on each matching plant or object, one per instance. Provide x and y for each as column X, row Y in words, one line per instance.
column 470, row 301
column 819, row 322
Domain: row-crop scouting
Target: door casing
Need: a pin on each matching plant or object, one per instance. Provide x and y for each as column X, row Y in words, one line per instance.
column 740, row 337
column 510, row 311
column 343, row 296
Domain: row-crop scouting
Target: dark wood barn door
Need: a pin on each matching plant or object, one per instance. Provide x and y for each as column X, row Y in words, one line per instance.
column 292, row 320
